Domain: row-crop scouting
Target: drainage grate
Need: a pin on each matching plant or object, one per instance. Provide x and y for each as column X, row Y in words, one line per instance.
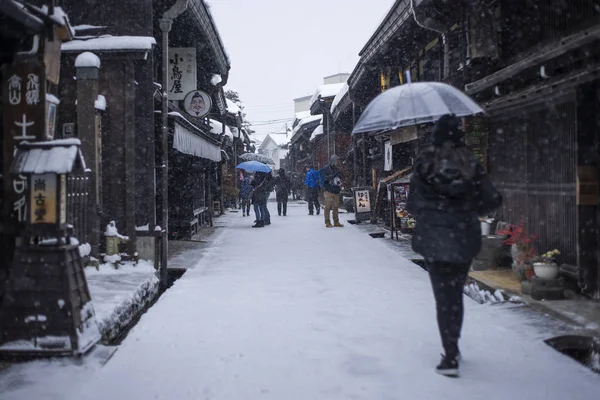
column 583, row 349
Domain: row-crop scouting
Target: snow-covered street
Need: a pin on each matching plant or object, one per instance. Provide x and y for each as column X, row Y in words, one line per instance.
column 298, row 311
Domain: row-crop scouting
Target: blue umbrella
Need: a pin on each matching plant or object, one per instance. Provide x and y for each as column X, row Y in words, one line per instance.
column 254, row 166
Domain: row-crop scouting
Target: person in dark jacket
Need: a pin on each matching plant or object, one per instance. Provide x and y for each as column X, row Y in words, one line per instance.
column 332, row 181
column 260, row 194
column 282, row 191
column 245, row 191
column 313, row 183
column 449, row 190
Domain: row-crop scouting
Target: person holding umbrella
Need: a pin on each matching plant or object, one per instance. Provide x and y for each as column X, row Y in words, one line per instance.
column 449, row 190
column 260, row 194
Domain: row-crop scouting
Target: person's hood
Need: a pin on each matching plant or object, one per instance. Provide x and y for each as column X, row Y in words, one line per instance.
column 447, row 129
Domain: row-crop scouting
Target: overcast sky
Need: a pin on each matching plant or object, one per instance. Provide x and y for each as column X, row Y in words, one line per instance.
column 282, row 49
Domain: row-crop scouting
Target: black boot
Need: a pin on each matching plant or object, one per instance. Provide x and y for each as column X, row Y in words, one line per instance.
column 448, row 367
column 284, row 209
column 259, row 224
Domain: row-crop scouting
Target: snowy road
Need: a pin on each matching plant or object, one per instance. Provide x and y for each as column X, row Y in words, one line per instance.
column 298, row 311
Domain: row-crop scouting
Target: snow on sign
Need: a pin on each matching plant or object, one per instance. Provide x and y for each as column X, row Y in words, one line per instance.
column 182, row 72
column 43, row 199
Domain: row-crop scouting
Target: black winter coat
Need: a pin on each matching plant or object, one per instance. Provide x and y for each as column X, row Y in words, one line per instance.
column 260, row 184
column 447, row 207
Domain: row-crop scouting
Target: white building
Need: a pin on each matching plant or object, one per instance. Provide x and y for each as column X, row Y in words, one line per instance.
column 275, row 147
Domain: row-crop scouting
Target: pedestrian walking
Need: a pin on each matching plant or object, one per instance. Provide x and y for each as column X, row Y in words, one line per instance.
column 260, row 194
column 332, row 181
column 282, row 191
column 313, row 183
column 449, row 190
column 245, row 191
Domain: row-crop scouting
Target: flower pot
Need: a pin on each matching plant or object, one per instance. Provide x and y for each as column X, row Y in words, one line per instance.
column 545, row 271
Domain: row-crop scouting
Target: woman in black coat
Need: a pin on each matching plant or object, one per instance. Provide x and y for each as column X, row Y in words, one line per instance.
column 449, row 190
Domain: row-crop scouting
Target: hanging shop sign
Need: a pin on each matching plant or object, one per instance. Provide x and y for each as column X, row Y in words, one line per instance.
column 182, row 72
column 197, row 103
column 388, row 164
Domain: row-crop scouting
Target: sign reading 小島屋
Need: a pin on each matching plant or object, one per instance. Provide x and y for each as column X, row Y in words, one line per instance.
column 182, row 72
column 24, row 114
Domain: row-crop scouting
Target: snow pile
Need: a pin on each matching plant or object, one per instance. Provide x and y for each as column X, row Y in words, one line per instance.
column 307, row 120
column 111, row 230
column 483, row 296
column 216, row 79
column 85, row 249
column 326, row 91
column 111, row 43
column 100, row 103
column 87, row 60
column 121, row 294
column 143, row 228
column 113, row 258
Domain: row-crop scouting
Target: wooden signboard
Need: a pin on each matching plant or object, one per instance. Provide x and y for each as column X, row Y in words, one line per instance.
column 24, row 115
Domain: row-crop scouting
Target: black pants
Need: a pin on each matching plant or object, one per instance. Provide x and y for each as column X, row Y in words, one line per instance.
column 313, row 200
column 448, row 281
column 282, row 200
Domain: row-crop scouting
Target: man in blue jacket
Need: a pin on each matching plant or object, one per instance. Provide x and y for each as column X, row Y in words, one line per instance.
column 313, row 184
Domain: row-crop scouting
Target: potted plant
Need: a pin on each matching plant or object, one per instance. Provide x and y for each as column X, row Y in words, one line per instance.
column 522, row 249
column 545, row 266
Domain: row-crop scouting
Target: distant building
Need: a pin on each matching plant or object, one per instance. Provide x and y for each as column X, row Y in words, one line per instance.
column 337, row 78
column 302, row 104
column 275, row 146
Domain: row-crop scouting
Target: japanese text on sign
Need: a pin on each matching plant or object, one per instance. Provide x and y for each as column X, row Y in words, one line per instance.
column 182, row 72
column 363, row 201
column 43, row 199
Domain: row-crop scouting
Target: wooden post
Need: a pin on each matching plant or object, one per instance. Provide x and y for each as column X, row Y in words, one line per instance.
column 87, row 93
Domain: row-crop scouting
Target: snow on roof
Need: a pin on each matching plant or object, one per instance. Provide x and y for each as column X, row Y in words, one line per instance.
column 339, row 96
column 111, row 43
column 307, row 120
column 100, row 103
column 52, row 98
column 87, row 59
column 232, row 107
column 217, row 127
column 85, row 27
column 302, row 114
column 326, row 91
column 60, row 17
column 318, row 131
column 56, row 156
column 280, row 139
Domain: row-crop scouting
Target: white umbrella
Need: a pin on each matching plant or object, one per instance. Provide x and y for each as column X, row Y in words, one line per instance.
column 256, row 157
column 412, row 104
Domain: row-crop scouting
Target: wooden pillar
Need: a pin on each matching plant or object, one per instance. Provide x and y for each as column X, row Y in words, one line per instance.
column 587, row 191
column 130, row 187
column 88, row 67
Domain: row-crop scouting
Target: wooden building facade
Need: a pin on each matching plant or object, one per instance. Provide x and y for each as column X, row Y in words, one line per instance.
column 533, row 66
